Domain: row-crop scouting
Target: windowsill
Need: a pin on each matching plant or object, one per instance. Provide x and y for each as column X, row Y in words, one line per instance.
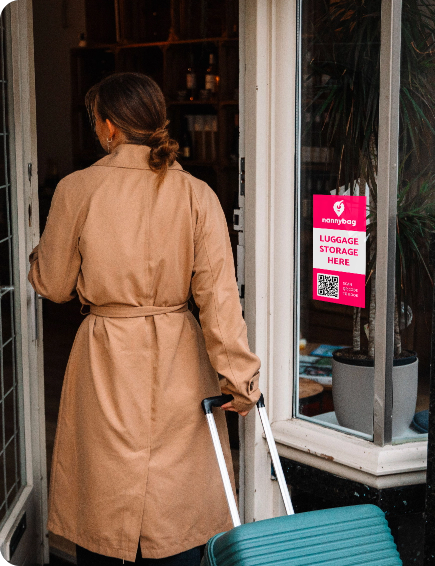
column 351, row 457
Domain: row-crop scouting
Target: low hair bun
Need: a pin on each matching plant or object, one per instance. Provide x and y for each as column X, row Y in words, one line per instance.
column 163, row 152
column 135, row 104
column 158, row 137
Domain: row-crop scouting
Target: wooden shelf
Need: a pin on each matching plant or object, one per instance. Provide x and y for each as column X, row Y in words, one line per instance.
column 192, row 103
column 202, row 102
column 133, row 45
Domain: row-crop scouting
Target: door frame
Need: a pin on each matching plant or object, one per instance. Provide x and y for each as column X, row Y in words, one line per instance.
column 267, row 143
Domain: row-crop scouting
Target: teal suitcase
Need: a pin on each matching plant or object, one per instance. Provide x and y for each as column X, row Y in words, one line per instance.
column 344, row 536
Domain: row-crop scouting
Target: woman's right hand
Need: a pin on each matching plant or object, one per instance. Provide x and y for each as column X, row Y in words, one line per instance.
column 229, row 407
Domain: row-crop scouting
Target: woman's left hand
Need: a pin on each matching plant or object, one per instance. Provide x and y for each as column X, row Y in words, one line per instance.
column 229, row 407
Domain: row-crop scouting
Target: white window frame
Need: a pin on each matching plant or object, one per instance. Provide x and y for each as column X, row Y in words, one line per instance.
column 269, row 83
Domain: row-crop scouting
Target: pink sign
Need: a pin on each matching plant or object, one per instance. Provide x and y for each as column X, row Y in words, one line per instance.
column 339, row 249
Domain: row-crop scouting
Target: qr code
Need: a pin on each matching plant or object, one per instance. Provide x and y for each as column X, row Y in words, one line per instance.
column 327, row 286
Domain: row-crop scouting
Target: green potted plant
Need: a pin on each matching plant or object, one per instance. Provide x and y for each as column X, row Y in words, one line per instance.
column 349, row 57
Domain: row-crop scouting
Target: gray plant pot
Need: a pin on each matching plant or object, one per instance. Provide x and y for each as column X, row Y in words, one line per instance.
column 353, row 391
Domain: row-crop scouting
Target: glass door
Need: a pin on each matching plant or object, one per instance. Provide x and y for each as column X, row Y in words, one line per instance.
column 22, row 456
column 12, row 458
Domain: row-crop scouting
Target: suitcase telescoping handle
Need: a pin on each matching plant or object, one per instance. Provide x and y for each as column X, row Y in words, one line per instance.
column 218, row 401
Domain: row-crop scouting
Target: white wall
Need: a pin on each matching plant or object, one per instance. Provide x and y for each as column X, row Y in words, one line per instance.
column 57, row 27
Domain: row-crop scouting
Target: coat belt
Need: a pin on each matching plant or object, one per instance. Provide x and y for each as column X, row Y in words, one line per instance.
column 132, row 311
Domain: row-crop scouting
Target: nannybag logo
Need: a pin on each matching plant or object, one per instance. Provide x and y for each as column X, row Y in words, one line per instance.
column 339, row 207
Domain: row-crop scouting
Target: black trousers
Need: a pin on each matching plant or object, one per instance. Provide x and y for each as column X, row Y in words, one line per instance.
column 190, row 557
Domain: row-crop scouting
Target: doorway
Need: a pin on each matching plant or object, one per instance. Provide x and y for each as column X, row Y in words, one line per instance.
column 191, row 49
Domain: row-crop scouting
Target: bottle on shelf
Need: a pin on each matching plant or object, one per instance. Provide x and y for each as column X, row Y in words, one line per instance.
column 191, row 82
column 82, row 40
column 186, row 140
column 211, row 77
column 199, row 137
column 210, row 137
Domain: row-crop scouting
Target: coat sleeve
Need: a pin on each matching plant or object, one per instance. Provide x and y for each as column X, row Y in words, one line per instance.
column 55, row 261
column 215, row 291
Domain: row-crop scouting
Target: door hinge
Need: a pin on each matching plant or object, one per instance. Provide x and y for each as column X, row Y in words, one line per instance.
column 30, row 171
column 238, row 219
column 242, row 291
column 37, row 299
column 241, row 271
column 242, row 177
column 36, row 315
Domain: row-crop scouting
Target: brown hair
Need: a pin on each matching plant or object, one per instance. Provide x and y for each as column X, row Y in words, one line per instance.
column 134, row 103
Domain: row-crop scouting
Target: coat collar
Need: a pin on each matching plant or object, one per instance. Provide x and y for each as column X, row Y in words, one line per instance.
column 130, row 156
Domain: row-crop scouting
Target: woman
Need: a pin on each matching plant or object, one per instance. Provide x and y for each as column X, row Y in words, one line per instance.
column 135, row 235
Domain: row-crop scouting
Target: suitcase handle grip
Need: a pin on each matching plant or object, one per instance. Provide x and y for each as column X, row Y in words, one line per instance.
column 210, row 402
column 219, row 400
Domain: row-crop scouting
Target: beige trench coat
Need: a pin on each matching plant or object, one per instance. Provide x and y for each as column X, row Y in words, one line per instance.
column 133, row 458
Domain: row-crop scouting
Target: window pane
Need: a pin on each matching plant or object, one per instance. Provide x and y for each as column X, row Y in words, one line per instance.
column 338, row 166
column 338, row 131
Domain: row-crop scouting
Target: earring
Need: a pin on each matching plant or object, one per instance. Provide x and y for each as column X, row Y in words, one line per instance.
column 108, row 144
